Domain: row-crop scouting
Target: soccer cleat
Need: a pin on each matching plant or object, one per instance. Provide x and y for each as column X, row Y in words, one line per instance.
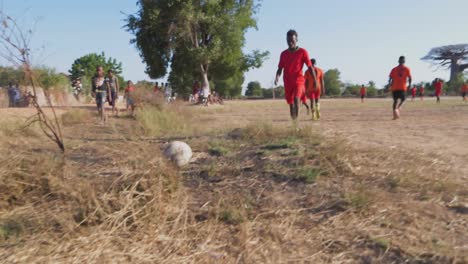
column 314, row 114
column 318, row 111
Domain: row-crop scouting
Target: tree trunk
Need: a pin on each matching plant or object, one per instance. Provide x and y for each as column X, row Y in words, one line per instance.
column 454, row 70
column 204, row 75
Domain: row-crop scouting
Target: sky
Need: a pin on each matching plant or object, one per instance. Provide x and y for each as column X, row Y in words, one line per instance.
column 361, row 38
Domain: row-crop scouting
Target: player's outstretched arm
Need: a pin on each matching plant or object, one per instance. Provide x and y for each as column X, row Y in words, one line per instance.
column 278, row 74
column 314, row 76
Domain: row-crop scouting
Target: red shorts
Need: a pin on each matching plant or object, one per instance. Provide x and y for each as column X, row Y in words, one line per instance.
column 438, row 93
column 290, row 92
column 313, row 94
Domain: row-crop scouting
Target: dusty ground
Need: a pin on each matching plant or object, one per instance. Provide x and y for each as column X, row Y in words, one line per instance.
column 355, row 187
column 425, row 127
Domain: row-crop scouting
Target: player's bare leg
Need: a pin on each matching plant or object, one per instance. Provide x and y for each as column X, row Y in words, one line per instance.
column 307, row 107
column 317, row 107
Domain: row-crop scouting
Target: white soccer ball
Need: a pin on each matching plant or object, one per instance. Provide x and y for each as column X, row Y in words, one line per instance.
column 178, row 152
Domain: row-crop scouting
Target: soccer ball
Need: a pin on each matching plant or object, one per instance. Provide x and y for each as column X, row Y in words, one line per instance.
column 178, row 152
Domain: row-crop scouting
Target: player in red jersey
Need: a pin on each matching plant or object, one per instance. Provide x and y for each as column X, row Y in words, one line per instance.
column 363, row 93
column 464, row 91
column 314, row 89
column 413, row 93
column 421, row 92
column 438, row 86
column 292, row 61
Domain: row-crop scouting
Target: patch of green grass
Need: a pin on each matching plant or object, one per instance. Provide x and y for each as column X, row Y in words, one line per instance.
column 218, row 149
column 10, row 228
column 359, row 200
column 381, row 242
column 281, row 144
column 307, row 175
column 231, row 217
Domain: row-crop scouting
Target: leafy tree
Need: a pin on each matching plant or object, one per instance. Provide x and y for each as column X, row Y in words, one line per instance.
column 146, row 85
column 371, row 89
column 454, row 57
column 254, row 89
column 332, row 82
column 49, row 79
column 11, row 74
column 195, row 38
column 85, row 68
column 352, row 89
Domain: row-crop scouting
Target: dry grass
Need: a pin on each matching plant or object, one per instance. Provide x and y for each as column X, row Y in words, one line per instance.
column 257, row 194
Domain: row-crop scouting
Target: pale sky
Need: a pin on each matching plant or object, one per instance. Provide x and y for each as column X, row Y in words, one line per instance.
column 362, row 38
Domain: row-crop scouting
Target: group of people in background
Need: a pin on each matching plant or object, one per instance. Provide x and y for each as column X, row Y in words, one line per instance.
column 310, row 85
column 18, row 98
column 169, row 94
column 204, row 96
column 105, row 89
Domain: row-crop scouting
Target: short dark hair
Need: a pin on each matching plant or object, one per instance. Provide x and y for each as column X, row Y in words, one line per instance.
column 402, row 58
column 291, row 33
column 110, row 71
column 313, row 61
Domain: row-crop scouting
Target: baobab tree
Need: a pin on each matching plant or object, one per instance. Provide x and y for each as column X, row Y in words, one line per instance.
column 454, row 57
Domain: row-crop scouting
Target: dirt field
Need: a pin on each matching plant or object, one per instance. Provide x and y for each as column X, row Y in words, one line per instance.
column 354, row 187
column 425, row 127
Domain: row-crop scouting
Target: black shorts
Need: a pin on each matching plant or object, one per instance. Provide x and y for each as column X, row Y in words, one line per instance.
column 362, row 96
column 399, row 95
column 113, row 98
column 463, row 94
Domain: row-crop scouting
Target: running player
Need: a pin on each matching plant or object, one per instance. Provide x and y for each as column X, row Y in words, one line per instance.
column 413, row 93
column 363, row 93
column 464, row 91
column 315, row 89
column 438, row 85
column 292, row 61
column 399, row 76
column 421, row 92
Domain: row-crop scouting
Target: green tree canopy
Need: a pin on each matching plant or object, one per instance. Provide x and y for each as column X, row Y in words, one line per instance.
column 196, row 37
column 254, row 89
column 332, row 82
column 49, row 79
column 85, row 68
column 11, row 74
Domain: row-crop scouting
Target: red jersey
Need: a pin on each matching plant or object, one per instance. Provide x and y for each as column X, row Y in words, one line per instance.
column 465, row 88
column 130, row 89
column 400, row 75
column 413, row 91
column 363, row 90
column 156, row 89
column 310, row 79
column 438, row 86
column 421, row 90
column 292, row 63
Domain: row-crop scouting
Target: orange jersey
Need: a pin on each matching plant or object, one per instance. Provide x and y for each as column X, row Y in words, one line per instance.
column 363, row 90
column 400, row 75
column 310, row 80
column 465, row 88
